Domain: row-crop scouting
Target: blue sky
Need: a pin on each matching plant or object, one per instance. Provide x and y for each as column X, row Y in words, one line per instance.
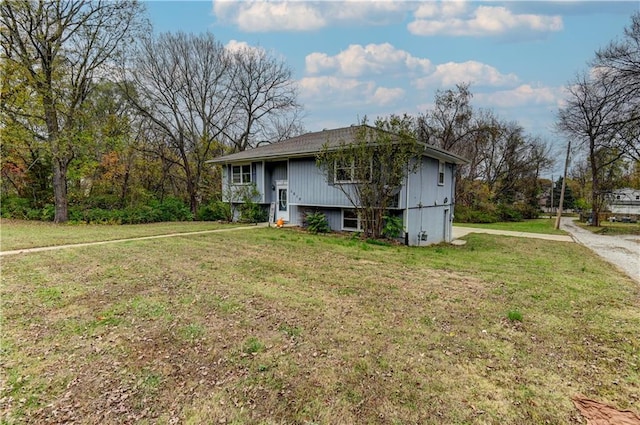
column 374, row 58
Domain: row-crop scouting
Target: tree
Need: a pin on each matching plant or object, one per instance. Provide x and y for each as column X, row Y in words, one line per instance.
column 621, row 58
column 569, row 199
column 500, row 154
column 594, row 116
column 265, row 99
column 106, row 164
column 371, row 168
column 62, row 47
column 183, row 85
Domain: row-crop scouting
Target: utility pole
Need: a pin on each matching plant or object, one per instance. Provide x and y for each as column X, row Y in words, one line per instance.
column 551, row 204
column 564, row 184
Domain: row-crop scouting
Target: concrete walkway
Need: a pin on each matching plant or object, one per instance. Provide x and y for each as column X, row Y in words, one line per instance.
column 140, row 238
column 460, row 231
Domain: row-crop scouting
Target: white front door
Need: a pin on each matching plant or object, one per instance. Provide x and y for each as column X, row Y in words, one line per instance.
column 282, row 200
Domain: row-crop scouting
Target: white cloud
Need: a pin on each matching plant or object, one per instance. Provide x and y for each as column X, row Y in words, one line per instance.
column 432, row 9
column 351, row 91
column 523, row 95
column 386, row 96
column 291, row 15
column 236, row 46
column 359, row 60
column 260, row 16
column 476, row 73
column 450, row 18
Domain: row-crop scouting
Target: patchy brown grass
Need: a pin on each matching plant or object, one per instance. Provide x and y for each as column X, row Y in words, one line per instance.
column 277, row 326
column 23, row 234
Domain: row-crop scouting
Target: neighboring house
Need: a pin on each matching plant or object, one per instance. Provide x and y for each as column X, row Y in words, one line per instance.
column 624, row 201
column 286, row 174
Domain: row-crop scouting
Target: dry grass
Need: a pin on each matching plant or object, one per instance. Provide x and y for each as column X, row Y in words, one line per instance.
column 277, row 326
column 21, row 234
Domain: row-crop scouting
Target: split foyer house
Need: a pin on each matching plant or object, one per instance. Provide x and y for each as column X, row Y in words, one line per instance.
column 286, row 174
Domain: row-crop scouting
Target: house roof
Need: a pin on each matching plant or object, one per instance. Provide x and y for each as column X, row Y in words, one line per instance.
column 310, row 144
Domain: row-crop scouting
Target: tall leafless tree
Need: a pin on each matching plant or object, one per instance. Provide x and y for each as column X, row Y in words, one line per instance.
column 265, row 96
column 621, row 58
column 62, row 46
column 595, row 116
column 183, row 86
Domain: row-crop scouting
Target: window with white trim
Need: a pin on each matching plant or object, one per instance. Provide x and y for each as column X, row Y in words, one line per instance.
column 352, row 171
column 351, row 220
column 440, row 173
column 241, row 174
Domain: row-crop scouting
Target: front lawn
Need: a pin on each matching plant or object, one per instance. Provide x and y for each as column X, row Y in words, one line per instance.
column 22, row 234
column 276, row 326
column 615, row 228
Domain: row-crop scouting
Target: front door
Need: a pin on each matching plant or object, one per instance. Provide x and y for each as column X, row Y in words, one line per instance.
column 282, row 202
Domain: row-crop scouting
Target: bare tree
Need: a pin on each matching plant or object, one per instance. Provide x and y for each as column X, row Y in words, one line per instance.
column 265, row 95
column 621, row 58
column 62, row 46
column 510, row 162
column 594, row 116
column 183, row 85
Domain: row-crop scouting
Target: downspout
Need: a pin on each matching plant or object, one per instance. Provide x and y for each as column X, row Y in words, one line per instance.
column 452, row 203
column 406, row 209
column 263, row 191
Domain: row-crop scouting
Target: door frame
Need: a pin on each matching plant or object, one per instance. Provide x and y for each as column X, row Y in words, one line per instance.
column 282, row 185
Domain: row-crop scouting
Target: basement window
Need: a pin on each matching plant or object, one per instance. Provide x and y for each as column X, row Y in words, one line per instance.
column 351, row 220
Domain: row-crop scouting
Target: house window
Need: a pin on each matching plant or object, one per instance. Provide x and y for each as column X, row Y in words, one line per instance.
column 241, row 174
column 352, row 171
column 350, row 220
column 440, row 173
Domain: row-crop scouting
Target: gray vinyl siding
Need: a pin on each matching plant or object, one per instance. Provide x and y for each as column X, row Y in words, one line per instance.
column 274, row 171
column 308, row 185
column 427, row 203
column 257, row 178
column 231, row 189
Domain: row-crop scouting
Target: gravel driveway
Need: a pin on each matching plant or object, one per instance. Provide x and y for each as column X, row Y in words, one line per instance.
column 621, row 251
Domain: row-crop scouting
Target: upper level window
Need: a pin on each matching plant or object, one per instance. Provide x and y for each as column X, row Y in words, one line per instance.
column 241, row 174
column 440, row 173
column 352, row 171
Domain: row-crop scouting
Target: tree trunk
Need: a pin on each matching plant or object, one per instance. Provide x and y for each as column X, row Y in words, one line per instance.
column 60, row 191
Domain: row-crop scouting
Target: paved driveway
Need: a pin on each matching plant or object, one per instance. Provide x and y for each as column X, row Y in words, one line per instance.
column 621, row 251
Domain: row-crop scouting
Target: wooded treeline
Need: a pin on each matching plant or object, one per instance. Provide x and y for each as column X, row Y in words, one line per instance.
column 99, row 115
column 102, row 121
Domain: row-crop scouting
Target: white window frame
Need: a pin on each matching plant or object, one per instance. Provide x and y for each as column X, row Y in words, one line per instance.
column 241, row 174
column 358, row 227
column 351, row 169
column 441, row 172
